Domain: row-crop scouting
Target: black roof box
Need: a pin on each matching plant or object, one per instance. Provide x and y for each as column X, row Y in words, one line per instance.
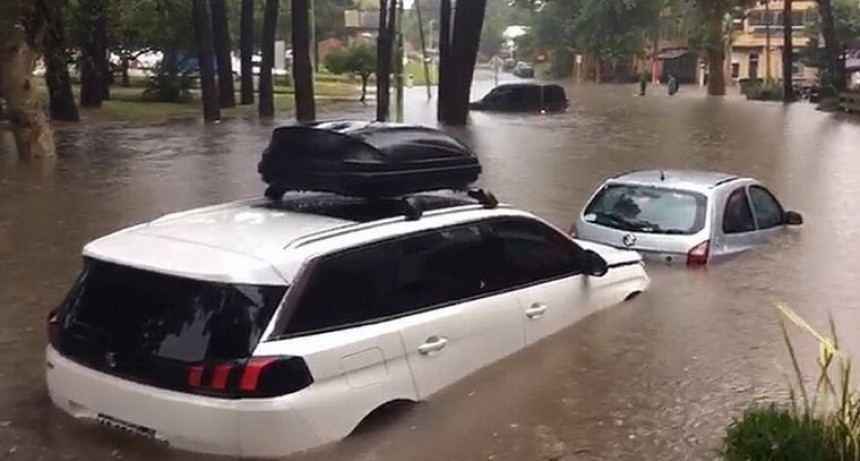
column 365, row 159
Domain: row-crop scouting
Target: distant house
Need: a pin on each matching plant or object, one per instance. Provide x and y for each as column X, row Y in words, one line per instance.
column 327, row 46
column 362, row 24
column 750, row 56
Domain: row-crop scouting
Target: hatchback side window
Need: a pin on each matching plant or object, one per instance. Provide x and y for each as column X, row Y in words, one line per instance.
column 344, row 289
column 768, row 212
column 440, row 267
column 532, row 252
column 738, row 217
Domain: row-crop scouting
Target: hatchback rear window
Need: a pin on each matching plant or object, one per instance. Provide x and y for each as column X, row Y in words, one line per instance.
column 648, row 209
column 137, row 316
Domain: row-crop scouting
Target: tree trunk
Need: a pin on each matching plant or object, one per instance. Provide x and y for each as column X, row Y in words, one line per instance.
column 30, row 126
column 466, row 37
column 303, row 72
column 61, row 101
column 443, row 103
column 124, row 65
column 831, row 45
column 787, row 53
column 266, row 106
column 203, row 36
column 364, row 78
column 246, row 46
column 223, row 46
column 94, row 62
column 716, row 74
column 596, row 71
column 384, row 52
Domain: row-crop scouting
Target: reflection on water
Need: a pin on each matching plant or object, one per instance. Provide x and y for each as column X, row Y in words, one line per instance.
column 653, row 379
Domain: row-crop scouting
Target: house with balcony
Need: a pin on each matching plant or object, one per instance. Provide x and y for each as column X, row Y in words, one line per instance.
column 758, row 41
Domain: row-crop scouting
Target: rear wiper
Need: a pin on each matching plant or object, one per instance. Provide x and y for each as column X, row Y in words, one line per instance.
column 618, row 220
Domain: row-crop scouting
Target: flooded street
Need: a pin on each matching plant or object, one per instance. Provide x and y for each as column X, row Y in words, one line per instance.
column 657, row 379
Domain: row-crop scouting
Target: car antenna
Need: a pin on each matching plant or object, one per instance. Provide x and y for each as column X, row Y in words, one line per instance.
column 662, row 175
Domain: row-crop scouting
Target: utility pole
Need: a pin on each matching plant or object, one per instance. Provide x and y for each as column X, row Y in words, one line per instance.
column 787, row 52
column 398, row 63
column 423, row 50
column 768, row 73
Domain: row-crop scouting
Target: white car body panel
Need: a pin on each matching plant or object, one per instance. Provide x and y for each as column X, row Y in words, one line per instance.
column 470, row 336
column 356, row 369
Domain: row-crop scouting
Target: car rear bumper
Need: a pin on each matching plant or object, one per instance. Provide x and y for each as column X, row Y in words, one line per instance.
column 246, row 428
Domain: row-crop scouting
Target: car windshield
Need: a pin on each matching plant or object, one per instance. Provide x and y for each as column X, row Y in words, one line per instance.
column 648, row 209
column 140, row 315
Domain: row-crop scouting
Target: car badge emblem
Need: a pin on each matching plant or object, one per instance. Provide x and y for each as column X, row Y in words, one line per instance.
column 110, row 359
column 629, row 240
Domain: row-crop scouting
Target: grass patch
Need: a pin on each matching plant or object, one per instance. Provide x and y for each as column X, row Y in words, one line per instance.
column 766, row 433
column 821, row 425
column 416, row 70
column 127, row 103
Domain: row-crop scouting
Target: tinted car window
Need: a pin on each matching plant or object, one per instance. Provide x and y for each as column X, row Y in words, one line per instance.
column 140, row 315
column 442, row 266
column 768, row 212
column 738, row 217
column 648, row 209
column 394, row 278
column 346, row 288
column 532, row 252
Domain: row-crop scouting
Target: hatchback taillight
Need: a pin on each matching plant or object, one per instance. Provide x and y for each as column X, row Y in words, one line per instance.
column 698, row 256
column 257, row 377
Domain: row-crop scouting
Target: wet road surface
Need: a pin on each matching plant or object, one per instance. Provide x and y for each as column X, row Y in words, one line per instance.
column 657, row 378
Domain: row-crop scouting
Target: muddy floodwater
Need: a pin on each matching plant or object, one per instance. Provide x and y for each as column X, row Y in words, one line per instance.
column 655, row 379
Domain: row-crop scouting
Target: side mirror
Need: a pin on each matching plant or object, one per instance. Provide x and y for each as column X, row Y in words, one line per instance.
column 793, row 218
column 595, row 265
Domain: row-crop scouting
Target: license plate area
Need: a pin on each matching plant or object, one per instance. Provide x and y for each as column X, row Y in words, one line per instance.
column 127, row 427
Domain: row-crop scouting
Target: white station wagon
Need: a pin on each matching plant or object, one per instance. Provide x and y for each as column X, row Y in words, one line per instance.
column 268, row 326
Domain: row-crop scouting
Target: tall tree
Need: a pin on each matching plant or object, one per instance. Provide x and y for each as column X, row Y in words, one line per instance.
column 461, row 57
column 384, row 56
column 266, row 105
column 61, row 101
column 223, row 46
column 94, row 64
column 302, row 68
column 835, row 71
column 787, row 52
column 246, row 51
column 205, row 58
column 21, row 30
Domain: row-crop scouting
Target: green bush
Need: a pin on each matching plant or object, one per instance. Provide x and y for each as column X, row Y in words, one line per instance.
column 771, row 433
column 170, row 83
column 765, row 92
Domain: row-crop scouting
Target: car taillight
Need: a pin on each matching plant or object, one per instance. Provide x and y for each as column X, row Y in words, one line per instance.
column 257, row 377
column 572, row 230
column 698, row 256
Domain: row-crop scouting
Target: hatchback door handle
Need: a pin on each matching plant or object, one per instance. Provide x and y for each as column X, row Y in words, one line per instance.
column 433, row 344
column 536, row 311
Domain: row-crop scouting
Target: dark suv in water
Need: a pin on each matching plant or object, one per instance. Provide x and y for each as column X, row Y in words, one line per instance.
column 523, row 97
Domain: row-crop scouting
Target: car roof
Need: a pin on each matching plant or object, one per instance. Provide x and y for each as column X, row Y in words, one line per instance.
column 695, row 180
column 243, row 242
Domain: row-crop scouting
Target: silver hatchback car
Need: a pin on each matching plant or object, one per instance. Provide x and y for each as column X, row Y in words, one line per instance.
column 694, row 217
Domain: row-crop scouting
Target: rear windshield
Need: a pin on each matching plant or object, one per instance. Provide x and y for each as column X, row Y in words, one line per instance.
column 648, row 209
column 137, row 314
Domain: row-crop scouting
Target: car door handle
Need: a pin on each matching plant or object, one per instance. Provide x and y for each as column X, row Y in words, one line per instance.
column 433, row 344
column 536, row 311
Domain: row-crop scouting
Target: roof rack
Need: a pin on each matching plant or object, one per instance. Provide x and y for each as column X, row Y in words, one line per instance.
column 486, row 198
